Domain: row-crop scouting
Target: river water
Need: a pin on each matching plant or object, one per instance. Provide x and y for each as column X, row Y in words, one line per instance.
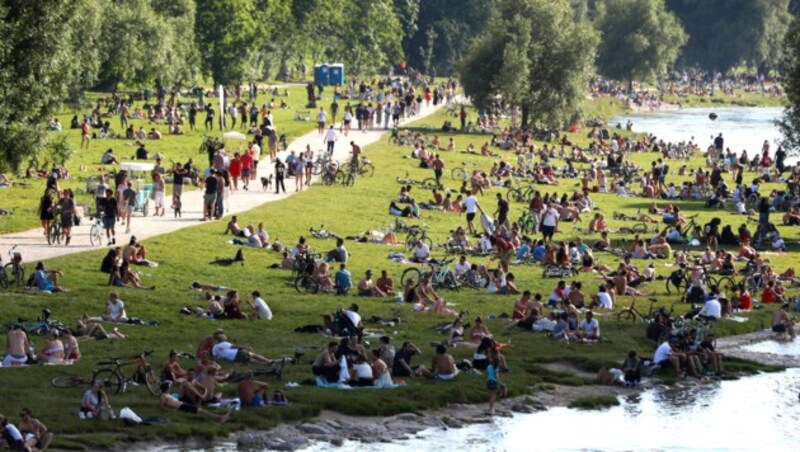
column 754, row 413
column 741, row 128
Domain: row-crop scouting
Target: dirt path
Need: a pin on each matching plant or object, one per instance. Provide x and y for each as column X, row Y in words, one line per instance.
column 33, row 243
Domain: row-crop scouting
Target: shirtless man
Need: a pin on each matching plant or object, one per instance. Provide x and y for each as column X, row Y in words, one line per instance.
column 173, row 368
column 443, row 366
column 17, row 347
column 367, row 288
column 191, row 391
column 168, row 402
column 35, row 434
column 782, row 322
column 252, row 392
column 207, row 344
column 325, row 365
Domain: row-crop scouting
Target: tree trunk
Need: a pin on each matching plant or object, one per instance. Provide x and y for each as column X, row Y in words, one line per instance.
column 525, row 115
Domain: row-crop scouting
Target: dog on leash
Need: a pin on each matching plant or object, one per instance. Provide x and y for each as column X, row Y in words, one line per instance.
column 266, row 183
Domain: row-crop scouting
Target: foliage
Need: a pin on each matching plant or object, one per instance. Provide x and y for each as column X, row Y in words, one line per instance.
column 372, row 38
column 556, row 54
column 724, row 34
column 790, row 123
column 226, row 31
column 38, row 65
column 640, row 39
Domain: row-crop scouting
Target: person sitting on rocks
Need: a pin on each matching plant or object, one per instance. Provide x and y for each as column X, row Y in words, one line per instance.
column 632, row 369
column 782, row 321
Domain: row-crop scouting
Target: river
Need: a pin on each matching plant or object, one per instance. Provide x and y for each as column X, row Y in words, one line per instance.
column 754, row 413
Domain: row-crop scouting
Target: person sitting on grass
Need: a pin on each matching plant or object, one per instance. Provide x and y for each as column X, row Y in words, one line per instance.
column 226, row 350
column 92, row 330
column 172, row 370
column 17, row 347
column 72, row 351
column 260, row 309
column 326, row 365
column 233, row 228
column 125, row 277
column 168, row 402
column 115, row 309
column 782, row 321
column 361, row 374
column 632, row 369
column 343, row 280
column 47, row 280
column 34, row 432
column 93, row 401
column 11, row 435
column 443, row 366
column 428, row 300
column 380, row 370
column 402, row 367
column 53, row 352
column 367, row 288
column 252, row 392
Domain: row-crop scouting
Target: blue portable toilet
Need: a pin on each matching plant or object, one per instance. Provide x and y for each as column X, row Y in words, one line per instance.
column 336, row 72
column 321, row 74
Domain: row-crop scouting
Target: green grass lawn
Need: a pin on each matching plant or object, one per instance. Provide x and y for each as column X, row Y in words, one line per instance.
column 739, row 99
column 184, row 257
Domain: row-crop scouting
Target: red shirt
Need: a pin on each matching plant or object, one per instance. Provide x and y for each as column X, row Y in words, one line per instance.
column 247, row 161
column 768, row 296
column 235, row 168
column 746, row 301
column 85, row 129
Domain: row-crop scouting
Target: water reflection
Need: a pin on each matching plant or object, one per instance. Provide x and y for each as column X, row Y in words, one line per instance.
column 775, row 347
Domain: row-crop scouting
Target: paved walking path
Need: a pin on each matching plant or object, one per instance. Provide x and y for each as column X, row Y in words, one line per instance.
column 33, row 243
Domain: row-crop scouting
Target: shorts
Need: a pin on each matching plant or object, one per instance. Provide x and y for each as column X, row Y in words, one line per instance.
column 209, row 199
column 780, row 328
column 321, row 124
column 548, row 231
column 507, row 256
column 11, row 360
column 255, row 164
column 665, row 364
column 242, row 356
column 347, row 122
column 470, row 217
column 188, row 408
column 131, row 207
column 109, row 222
column 446, row 377
column 84, row 137
column 256, row 401
column 245, row 173
column 492, row 385
column 177, row 189
column 158, row 199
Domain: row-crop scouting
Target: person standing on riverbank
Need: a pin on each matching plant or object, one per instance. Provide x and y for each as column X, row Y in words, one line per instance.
column 493, row 383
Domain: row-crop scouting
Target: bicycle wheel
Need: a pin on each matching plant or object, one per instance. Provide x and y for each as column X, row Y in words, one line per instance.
column 427, row 240
column 640, row 228
column 328, row 178
column 459, row 174
column 340, row 177
column 726, row 285
column 450, row 282
column 306, row 284
column 95, row 237
column 317, row 169
column 626, row 316
column 429, row 184
column 108, row 379
column 513, row 194
column 9, row 270
column 672, row 288
column 411, row 273
column 54, row 234
column 65, row 380
column 19, row 274
column 367, row 169
column 468, row 282
column 411, row 241
column 153, row 382
column 3, row 278
column 349, row 180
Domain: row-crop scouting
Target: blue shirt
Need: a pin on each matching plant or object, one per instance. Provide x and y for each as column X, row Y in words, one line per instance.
column 523, row 251
column 343, row 279
column 538, row 252
column 42, row 280
column 491, row 373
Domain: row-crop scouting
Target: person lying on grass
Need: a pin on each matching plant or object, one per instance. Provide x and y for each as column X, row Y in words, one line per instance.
column 90, row 329
column 125, row 277
column 223, row 349
column 168, row 402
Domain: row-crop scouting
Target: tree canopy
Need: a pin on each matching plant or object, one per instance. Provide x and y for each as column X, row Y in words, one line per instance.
column 533, row 55
column 790, row 122
column 640, row 39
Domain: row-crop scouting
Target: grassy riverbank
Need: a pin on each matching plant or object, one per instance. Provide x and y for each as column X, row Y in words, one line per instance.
column 740, row 98
column 184, row 258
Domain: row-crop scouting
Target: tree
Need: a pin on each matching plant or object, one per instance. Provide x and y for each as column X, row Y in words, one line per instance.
column 724, row 34
column 226, row 33
column 535, row 56
column 371, row 39
column 789, row 124
column 640, row 39
column 39, row 63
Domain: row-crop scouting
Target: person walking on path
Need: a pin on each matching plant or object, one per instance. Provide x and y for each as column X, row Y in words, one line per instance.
column 280, row 174
column 322, row 119
column 330, row 139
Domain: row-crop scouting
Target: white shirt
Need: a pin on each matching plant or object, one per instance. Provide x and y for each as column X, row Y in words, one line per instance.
column 116, row 308
column 461, row 268
column 353, row 316
column 363, row 371
column 421, row 252
column 663, row 352
column 330, row 135
column 471, row 204
column 605, row 300
column 262, row 310
column 13, row 431
column 590, row 327
column 712, row 308
column 322, row 116
column 224, row 350
column 256, row 151
column 550, row 217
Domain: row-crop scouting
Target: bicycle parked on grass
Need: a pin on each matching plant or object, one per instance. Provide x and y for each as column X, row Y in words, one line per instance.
column 631, row 313
column 415, row 234
column 113, row 378
column 322, row 233
column 13, row 271
column 441, row 275
column 42, row 326
column 462, row 173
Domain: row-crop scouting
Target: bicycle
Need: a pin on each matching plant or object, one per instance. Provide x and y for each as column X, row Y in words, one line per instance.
column 15, row 269
column 42, row 326
column 362, row 167
column 440, row 274
column 322, row 233
column 461, row 174
column 324, row 160
column 415, row 234
column 631, row 313
column 528, row 222
column 56, row 233
column 113, row 378
column 96, row 231
column 266, row 372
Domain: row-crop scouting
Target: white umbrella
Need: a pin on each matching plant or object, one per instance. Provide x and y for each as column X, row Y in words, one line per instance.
column 233, row 135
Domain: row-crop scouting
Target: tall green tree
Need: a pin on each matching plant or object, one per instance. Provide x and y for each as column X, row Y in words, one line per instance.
column 226, row 32
column 789, row 123
column 724, row 34
column 371, row 40
column 39, row 61
column 640, row 39
column 535, row 56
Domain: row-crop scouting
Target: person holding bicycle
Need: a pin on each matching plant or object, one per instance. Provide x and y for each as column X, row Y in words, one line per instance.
column 356, row 152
